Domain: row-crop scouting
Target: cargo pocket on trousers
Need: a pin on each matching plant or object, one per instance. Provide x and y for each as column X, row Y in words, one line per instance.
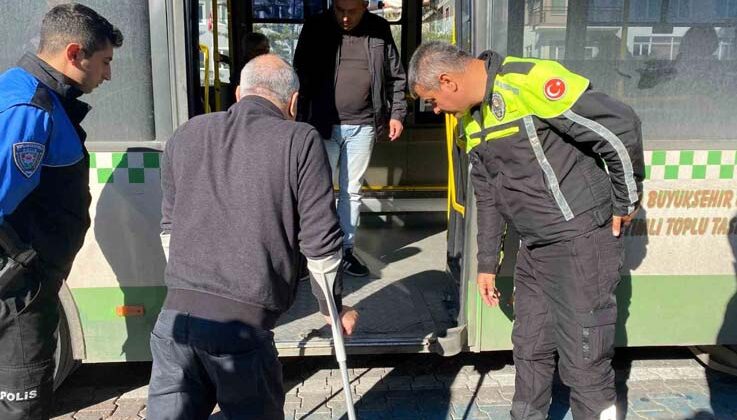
column 598, row 328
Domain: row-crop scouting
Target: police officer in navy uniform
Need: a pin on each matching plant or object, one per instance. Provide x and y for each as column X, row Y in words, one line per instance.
column 563, row 166
column 44, row 195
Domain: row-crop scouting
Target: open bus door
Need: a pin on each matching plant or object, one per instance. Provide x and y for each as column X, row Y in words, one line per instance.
column 408, row 303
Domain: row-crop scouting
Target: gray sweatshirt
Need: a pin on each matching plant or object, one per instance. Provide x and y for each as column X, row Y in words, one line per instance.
column 244, row 191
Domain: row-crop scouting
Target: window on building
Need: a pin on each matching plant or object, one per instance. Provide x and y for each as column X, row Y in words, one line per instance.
column 201, row 13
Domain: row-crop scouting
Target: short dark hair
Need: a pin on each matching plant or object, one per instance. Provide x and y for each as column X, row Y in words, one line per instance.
column 72, row 22
column 252, row 45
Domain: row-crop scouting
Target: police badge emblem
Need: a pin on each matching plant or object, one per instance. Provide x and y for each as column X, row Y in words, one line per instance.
column 28, row 156
column 498, row 108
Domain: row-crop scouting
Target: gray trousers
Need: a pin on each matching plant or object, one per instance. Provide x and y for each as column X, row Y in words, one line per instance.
column 565, row 302
column 198, row 362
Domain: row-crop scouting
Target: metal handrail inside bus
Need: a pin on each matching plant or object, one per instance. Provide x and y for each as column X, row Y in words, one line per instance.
column 206, row 53
column 216, row 55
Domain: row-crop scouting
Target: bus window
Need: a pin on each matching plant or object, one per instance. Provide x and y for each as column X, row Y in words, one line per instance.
column 673, row 62
column 437, row 25
column 391, row 10
column 281, row 21
column 130, row 115
column 283, row 37
column 437, row 21
column 206, row 27
column 286, row 9
column 463, row 25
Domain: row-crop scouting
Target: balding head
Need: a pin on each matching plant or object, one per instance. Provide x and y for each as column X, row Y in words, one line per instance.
column 270, row 77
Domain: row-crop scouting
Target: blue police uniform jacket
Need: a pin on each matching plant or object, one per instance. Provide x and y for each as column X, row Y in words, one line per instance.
column 44, row 166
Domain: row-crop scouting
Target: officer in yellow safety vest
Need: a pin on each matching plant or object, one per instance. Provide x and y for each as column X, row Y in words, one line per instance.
column 563, row 166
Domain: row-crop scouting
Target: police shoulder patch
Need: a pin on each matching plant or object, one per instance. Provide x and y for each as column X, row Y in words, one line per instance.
column 28, row 157
column 498, row 107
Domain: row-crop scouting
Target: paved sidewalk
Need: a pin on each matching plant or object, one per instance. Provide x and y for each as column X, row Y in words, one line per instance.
column 430, row 387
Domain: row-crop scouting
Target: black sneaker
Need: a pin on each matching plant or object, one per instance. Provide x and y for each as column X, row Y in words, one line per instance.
column 352, row 266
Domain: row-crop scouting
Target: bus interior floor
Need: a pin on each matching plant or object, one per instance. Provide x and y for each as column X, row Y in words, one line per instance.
column 407, row 297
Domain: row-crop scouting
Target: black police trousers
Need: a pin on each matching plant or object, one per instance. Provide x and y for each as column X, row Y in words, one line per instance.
column 29, row 315
column 199, row 362
column 564, row 302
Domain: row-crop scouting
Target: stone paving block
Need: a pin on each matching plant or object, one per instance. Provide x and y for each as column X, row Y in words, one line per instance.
column 337, row 381
column 140, row 393
column 502, row 379
column 97, row 410
column 315, row 388
column 662, row 397
column 691, row 373
column 90, row 415
column 401, row 395
column 293, row 403
column 646, row 407
column 358, row 371
column 687, row 388
column 314, row 381
column 319, row 374
column 337, row 406
column 496, row 412
column 373, row 401
column 667, row 373
column 632, row 415
column 507, row 392
column 654, row 387
column 306, row 415
column 129, row 408
column 115, row 417
column 291, row 387
column 474, row 377
column 460, row 395
column 468, row 370
column 432, row 401
column 437, row 416
column 679, row 407
column 658, row 415
column 372, row 414
column 289, row 413
column 467, row 411
column 644, row 375
column 370, row 380
column 423, row 382
column 376, row 373
column 63, row 417
column 459, row 382
column 398, row 383
column 490, row 396
column 315, row 404
column 405, row 412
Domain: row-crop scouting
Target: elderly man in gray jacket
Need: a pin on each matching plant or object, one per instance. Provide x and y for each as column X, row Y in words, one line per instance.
column 244, row 192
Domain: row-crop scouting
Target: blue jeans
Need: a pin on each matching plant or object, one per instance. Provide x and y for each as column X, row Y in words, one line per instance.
column 349, row 151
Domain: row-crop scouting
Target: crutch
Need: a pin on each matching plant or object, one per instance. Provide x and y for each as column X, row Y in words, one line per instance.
column 325, row 271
